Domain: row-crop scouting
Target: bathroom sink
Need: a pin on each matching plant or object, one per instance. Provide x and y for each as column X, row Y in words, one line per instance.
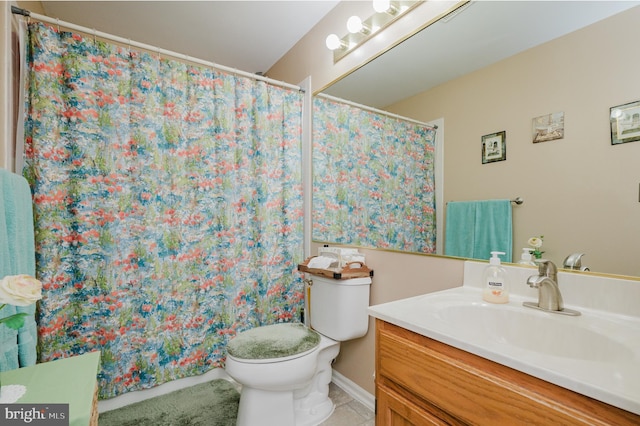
column 596, row 354
column 539, row 332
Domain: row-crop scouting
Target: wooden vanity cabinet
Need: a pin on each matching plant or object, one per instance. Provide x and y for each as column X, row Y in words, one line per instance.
column 420, row 381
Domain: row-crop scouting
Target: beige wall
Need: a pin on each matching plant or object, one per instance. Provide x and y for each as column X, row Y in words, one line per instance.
column 32, row 6
column 580, row 192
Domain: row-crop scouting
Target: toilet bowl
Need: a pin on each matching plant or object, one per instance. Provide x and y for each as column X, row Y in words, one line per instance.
column 274, row 356
column 290, row 390
column 285, row 369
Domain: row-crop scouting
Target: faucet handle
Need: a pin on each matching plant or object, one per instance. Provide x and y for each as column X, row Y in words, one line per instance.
column 547, row 268
column 574, row 261
column 543, row 264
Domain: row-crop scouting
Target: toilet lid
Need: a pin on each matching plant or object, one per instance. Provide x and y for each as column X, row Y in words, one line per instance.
column 273, row 341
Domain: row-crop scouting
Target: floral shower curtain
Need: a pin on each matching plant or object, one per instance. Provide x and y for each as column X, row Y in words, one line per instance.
column 373, row 179
column 168, row 207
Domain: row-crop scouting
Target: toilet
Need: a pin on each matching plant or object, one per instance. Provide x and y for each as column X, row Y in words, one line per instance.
column 285, row 368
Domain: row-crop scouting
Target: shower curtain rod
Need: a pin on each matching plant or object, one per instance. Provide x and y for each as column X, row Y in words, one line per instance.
column 378, row 111
column 128, row 42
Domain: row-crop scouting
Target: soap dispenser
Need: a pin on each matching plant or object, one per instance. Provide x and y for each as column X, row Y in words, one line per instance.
column 525, row 257
column 494, row 280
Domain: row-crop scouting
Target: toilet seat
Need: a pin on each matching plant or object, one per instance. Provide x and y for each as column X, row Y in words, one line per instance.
column 271, row 360
column 273, row 343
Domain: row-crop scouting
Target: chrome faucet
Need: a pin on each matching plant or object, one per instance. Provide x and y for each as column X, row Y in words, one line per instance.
column 549, row 297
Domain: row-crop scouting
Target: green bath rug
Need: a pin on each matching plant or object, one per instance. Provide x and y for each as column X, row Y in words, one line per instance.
column 214, row 403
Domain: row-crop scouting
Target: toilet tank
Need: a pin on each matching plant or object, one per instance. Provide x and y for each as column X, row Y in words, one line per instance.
column 338, row 308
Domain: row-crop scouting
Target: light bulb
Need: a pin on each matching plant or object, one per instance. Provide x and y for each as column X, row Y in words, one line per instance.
column 381, row 6
column 354, row 24
column 333, row 42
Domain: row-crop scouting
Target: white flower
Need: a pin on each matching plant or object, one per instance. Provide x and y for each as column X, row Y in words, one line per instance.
column 20, row 290
column 535, row 242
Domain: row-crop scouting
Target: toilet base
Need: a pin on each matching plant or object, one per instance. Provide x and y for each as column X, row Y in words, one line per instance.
column 320, row 411
column 255, row 402
column 312, row 404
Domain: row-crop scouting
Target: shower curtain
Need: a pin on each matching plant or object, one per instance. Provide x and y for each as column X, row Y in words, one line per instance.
column 373, row 179
column 167, row 207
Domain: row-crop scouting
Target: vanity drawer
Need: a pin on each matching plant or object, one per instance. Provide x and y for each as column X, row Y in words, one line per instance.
column 474, row 390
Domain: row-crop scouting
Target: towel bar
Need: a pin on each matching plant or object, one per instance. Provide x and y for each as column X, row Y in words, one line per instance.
column 517, row 200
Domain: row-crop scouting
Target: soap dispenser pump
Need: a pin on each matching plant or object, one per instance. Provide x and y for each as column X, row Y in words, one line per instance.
column 494, row 280
column 525, row 257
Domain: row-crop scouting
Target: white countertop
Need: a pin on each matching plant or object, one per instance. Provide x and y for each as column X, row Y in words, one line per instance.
column 596, row 354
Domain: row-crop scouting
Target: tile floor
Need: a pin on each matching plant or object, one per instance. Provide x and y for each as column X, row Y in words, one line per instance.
column 348, row 412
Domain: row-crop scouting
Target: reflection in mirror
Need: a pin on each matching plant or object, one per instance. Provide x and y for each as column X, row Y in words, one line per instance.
column 495, row 67
column 373, row 178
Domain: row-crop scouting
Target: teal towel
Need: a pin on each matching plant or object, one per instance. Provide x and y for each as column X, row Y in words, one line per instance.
column 28, row 337
column 476, row 228
column 8, row 342
column 5, row 261
column 17, row 256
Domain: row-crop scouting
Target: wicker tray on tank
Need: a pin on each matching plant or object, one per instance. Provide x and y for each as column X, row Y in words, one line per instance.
column 350, row 270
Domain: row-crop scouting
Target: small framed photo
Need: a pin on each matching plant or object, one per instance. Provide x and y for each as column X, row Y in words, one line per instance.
column 625, row 123
column 494, row 147
column 548, row 127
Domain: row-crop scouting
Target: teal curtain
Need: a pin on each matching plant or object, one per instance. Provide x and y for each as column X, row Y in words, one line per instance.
column 373, row 179
column 167, row 207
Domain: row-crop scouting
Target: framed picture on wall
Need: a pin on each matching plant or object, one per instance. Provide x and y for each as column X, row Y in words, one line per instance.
column 548, row 127
column 494, row 147
column 625, row 123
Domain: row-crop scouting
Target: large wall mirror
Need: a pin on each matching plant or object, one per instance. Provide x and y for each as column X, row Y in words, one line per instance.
column 499, row 66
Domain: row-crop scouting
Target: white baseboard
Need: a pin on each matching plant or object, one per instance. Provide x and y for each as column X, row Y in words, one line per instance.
column 354, row 390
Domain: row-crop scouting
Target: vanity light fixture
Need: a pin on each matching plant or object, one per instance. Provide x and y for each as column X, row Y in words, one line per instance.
column 355, row 25
column 333, row 42
column 386, row 11
column 384, row 6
